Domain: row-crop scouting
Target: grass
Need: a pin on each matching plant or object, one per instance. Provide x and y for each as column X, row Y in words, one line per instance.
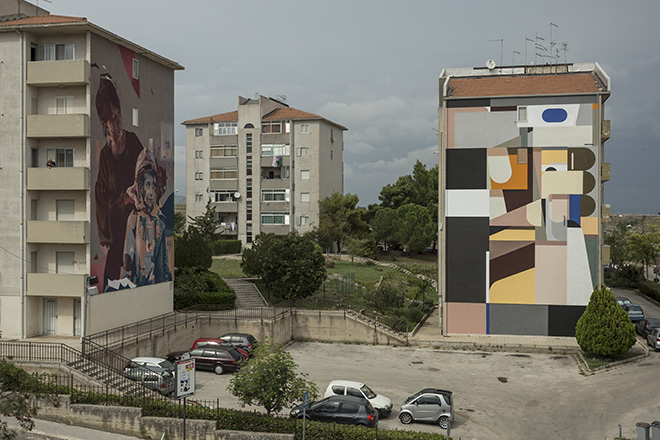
column 596, row 361
column 227, row 268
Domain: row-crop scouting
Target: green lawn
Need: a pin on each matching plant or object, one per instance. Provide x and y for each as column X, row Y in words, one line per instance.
column 227, row 268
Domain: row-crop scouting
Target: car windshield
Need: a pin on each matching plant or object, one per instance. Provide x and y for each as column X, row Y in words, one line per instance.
column 166, row 365
column 412, row 397
column 367, row 392
column 636, row 309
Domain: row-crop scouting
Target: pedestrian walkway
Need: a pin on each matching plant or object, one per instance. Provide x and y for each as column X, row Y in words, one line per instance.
column 44, row 429
column 247, row 294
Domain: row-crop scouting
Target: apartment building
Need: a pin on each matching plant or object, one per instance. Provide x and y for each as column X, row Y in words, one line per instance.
column 264, row 167
column 86, row 167
column 521, row 196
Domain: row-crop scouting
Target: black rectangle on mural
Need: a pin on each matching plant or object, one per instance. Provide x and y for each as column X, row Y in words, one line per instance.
column 462, row 103
column 563, row 319
column 467, row 244
column 518, row 319
column 466, row 168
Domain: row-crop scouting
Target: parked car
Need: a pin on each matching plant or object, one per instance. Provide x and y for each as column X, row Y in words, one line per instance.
column 215, row 342
column 634, row 311
column 216, row 359
column 622, row 300
column 653, row 339
column 340, row 409
column 153, row 373
column 357, row 389
column 429, row 405
column 243, row 340
column 644, row 326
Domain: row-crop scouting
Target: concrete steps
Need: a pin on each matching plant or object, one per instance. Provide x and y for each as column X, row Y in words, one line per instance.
column 247, row 295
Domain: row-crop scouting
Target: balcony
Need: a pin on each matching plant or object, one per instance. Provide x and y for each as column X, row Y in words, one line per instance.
column 64, row 232
column 276, row 229
column 58, row 126
column 267, row 162
column 275, row 206
column 58, row 73
column 224, row 184
column 230, row 206
column 275, row 183
column 55, row 284
column 59, row 179
column 224, row 161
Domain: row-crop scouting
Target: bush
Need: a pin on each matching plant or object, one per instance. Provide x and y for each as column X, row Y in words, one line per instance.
column 223, row 247
column 195, row 286
column 192, row 250
column 650, row 289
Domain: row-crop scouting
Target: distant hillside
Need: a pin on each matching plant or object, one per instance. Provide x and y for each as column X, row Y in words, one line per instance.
column 179, row 199
column 639, row 223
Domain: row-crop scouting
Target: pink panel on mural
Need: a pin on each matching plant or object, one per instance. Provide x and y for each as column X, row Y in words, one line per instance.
column 466, row 318
column 517, row 217
column 551, row 278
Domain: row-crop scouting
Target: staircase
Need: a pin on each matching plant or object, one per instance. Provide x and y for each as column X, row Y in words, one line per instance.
column 247, row 294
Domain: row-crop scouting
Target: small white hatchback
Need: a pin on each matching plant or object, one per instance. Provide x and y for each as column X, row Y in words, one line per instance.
column 357, row 389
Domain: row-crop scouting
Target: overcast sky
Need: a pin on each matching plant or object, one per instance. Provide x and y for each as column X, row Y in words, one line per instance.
column 373, row 67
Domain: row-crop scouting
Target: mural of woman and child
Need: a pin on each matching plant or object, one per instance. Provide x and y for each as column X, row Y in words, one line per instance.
column 129, row 186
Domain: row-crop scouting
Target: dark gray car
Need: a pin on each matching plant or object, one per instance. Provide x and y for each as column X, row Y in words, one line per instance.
column 340, row 409
column 429, row 405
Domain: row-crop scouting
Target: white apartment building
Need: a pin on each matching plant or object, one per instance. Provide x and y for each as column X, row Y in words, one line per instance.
column 65, row 208
column 265, row 167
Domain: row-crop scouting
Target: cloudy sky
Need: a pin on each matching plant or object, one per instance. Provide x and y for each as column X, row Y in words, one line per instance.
column 373, row 67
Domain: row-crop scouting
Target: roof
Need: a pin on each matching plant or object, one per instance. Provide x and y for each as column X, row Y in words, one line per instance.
column 346, row 383
column 285, row 113
column 221, row 117
column 43, row 19
column 557, row 84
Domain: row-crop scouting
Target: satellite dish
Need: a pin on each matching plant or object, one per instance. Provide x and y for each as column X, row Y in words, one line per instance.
column 490, row 64
column 237, row 195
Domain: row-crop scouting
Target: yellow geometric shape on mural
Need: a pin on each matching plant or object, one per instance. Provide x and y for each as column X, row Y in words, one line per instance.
column 561, row 182
column 589, row 225
column 514, row 235
column 518, row 179
column 554, row 156
column 516, row 289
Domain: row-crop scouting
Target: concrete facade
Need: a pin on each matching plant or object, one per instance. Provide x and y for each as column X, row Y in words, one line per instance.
column 265, row 167
column 52, row 69
column 521, row 197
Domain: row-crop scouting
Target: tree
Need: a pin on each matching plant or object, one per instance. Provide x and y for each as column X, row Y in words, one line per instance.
column 644, row 248
column 253, row 258
column 179, row 223
column 270, row 380
column 192, row 250
column 340, row 218
column 618, row 241
column 604, row 328
column 208, row 223
column 384, row 226
column 361, row 247
column 420, row 188
column 416, row 228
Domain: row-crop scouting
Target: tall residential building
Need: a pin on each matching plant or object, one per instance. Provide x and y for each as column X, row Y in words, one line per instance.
column 86, row 167
column 265, row 167
column 521, row 196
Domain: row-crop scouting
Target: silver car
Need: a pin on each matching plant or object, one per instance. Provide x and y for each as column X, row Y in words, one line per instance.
column 653, row 339
column 429, row 405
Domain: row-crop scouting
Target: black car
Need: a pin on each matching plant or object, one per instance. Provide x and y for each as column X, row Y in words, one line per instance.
column 216, row 359
column 348, row 410
column 644, row 326
column 243, row 340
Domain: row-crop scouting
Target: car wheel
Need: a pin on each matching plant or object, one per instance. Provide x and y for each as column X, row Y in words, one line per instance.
column 405, row 418
column 218, row 369
column 380, row 413
column 443, row 422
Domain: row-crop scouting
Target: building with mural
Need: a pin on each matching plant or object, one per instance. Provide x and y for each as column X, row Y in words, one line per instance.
column 87, row 147
column 264, row 167
column 521, row 188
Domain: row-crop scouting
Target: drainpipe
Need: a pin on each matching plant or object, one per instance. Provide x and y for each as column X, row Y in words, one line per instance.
column 22, row 183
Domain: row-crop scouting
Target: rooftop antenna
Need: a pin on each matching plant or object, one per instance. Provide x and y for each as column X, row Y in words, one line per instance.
column 281, row 98
column 526, row 40
column 501, row 40
column 538, row 46
column 552, row 42
column 564, row 47
column 513, row 57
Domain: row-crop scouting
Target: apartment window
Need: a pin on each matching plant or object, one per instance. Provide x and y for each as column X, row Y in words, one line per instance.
column 273, row 195
column 304, row 174
column 274, row 149
column 135, row 117
column 248, row 187
column 522, row 114
column 224, row 151
column 248, row 143
column 304, row 128
column 34, row 204
column 303, row 220
column 63, row 157
column 65, row 210
column 136, row 66
column 224, row 173
column 64, row 105
column 332, row 135
column 248, row 163
column 273, row 218
column 224, row 196
column 199, row 175
column 304, row 197
column 272, row 127
column 199, row 132
column 224, row 128
column 64, row 51
column 199, row 198
column 64, row 262
column 302, row 151
column 286, row 172
column 198, row 154
column 248, row 237
column 248, row 212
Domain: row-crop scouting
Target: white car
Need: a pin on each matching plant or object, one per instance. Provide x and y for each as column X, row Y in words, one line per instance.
column 357, row 389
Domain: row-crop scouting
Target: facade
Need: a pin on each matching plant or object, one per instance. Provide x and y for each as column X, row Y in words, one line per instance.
column 87, row 159
column 265, row 167
column 521, row 209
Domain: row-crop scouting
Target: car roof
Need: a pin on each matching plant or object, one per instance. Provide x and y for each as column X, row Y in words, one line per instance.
column 435, row 391
column 351, row 399
column 148, row 359
column 347, row 383
column 208, row 340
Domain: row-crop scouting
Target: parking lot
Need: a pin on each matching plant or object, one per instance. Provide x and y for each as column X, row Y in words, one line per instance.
column 496, row 395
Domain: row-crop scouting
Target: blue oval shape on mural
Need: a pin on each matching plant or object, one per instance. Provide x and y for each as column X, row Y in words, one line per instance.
column 554, row 115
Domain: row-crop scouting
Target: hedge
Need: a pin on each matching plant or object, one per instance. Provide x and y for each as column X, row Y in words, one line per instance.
column 194, row 286
column 222, row 247
column 650, row 289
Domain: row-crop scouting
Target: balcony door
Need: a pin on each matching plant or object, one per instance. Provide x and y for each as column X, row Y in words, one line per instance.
column 50, row 316
column 76, row 317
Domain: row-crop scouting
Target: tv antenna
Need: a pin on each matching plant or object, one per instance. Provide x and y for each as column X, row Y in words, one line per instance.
column 538, row 46
column 526, row 40
column 501, row 40
column 552, row 42
column 513, row 57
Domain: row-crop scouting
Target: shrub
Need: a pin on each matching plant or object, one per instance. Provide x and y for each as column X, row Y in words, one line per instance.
column 222, row 247
column 195, row 286
column 650, row 289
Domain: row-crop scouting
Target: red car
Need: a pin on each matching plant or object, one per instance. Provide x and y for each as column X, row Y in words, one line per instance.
column 215, row 342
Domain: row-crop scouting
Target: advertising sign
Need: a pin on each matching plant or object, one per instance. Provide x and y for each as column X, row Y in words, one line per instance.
column 185, row 378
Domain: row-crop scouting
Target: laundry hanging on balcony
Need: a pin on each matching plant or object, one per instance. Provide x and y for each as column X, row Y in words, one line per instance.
column 277, row 161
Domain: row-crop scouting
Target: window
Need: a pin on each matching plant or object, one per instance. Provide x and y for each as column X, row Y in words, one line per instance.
column 304, row 128
column 274, row 149
column 349, row 408
column 248, row 143
column 223, row 128
column 54, row 52
column 224, row 196
column 248, row 164
column 224, row 151
column 332, row 135
column 286, row 172
column 273, row 218
column 64, row 105
column 199, row 198
column 522, row 114
column 198, row 154
column 199, row 175
column 63, row 157
column 136, row 65
column 304, row 197
column 304, row 174
column 273, row 195
column 135, row 117
column 224, row 173
column 272, row 127
column 64, row 262
column 199, row 132
column 302, row 151
column 65, row 210
column 248, row 186
column 248, row 214
column 303, row 220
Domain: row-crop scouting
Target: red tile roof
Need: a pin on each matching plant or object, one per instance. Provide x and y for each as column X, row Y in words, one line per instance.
column 43, row 19
column 279, row 114
column 289, row 113
column 557, row 84
column 222, row 117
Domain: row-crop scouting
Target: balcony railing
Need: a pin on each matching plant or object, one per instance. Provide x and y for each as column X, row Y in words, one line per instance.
column 58, row 232
column 56, row 126
column 58, row 179
column 58, row 73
